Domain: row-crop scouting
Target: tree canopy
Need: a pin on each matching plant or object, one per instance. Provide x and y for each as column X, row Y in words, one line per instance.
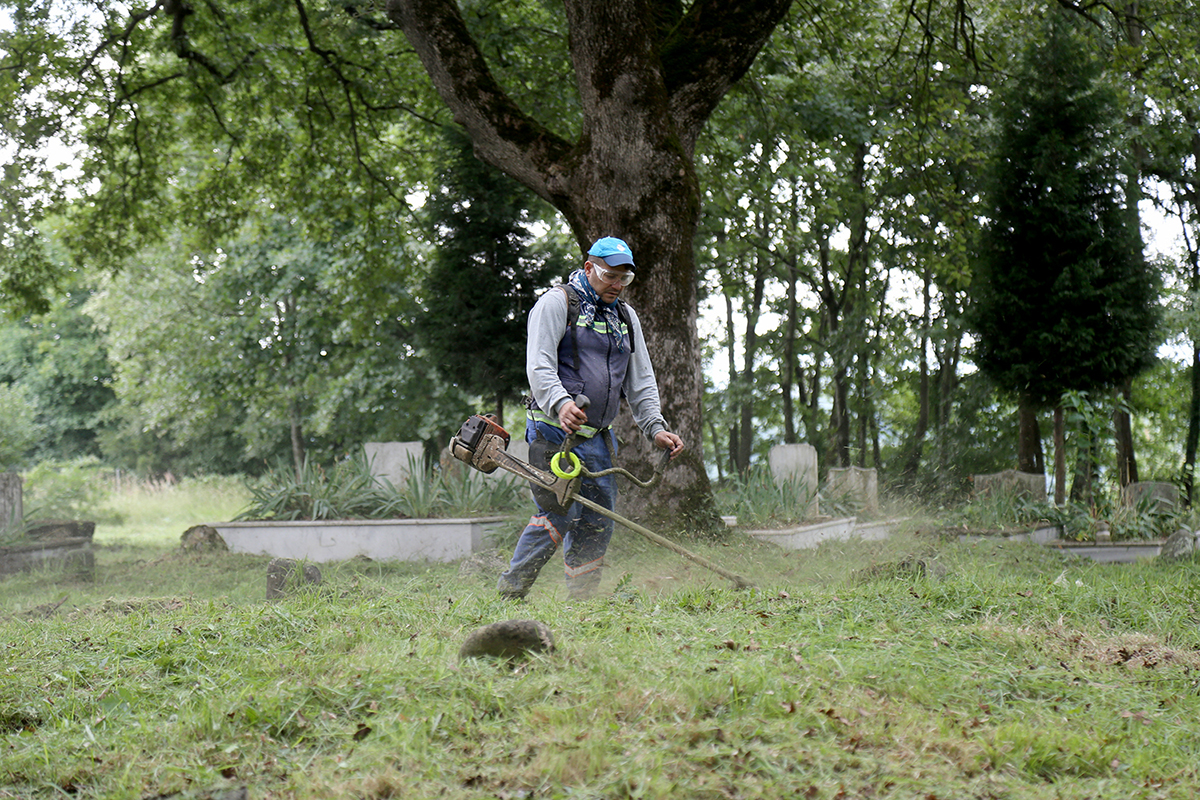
column 803, row 186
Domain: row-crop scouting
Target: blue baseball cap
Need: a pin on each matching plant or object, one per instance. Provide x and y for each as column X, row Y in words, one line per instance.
column 614, row 251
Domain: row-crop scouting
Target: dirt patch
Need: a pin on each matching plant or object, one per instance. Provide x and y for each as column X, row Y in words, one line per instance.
column 488, row 563
column 134, row 605
column 1133, row 651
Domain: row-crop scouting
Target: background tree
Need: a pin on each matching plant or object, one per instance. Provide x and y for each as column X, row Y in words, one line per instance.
column 484, row 276
column 18, row 428
column 647, row 80
column 251, row 346
column 59, row 363
column 1063, row 298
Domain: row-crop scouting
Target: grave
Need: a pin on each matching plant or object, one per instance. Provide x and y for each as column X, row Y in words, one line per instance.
column 320, row 541
column 392, row 461
column 62, row 544
column 858, row 485
column 1165, row 495
column 1010, row 482
column 795, row 465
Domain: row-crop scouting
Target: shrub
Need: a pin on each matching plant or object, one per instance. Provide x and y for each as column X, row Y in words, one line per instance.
column 74, row 489
column 349, row 490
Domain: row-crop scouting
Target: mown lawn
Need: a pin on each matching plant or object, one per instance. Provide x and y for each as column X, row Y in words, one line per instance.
column 913, row 668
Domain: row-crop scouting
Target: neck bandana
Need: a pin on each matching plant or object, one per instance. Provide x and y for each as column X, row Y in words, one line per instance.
column 590, row 304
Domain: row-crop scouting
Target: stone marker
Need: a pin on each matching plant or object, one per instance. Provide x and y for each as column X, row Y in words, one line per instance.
column 796, row 465
column 66, row 544
column 199, row 538
column 284, row 576
column 1165, row 495
column 1031, row 485
column 1180, row 544
column 391, row 460
column 509, row 639
column 859, row 485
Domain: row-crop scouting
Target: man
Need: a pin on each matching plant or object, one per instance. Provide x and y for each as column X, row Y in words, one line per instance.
column 602, row 356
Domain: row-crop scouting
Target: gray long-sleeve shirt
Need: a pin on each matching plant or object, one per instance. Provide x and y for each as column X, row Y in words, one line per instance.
column 547, row 328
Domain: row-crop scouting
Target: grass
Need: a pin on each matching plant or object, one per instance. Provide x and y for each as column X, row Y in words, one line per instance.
column 156, row 514
column 1000, row 671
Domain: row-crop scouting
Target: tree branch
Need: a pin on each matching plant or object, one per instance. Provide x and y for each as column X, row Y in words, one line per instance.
column 119, row 36
column 711, row 49
column 179, row 12
column 503, row 134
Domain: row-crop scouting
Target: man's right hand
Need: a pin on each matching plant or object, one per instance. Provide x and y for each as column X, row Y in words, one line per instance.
column 571, row 417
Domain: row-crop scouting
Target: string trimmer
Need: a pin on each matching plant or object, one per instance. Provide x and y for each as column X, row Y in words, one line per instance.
column 482, row 443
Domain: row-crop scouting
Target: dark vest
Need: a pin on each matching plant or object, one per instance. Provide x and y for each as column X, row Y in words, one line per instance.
column 589, row 361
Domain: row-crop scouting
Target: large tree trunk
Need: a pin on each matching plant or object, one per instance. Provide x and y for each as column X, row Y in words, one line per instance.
column 731, row 447
column 866, row 411
column 1193, row 430
column 839, row 418
column 648, row 80
column 1083, row 481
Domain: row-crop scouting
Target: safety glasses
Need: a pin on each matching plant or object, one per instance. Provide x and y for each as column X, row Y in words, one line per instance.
column 611, row 276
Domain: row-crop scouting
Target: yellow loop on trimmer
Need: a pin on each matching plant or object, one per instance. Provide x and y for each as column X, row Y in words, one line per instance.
column 576, row 465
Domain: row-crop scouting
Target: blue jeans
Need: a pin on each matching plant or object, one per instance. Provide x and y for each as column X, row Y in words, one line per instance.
column 583, row 533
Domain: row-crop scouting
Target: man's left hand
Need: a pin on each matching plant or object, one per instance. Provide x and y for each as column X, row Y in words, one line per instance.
column 669, row 441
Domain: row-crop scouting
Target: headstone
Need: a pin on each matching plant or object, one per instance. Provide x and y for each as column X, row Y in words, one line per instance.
column 11, row 510
column 1165, row 495
column 199, row 538
column 1031, row 485
column 1180, row 544
column 285, row 575
column 392, row 461
column 795, row 465
column 859, row 485
column 63, row 543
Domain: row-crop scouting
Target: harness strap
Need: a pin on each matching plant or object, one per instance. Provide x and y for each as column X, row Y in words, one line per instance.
column 573, row 319
column 586, row 432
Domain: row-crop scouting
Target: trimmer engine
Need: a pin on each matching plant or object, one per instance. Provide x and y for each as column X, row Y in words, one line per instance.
column 477, row 442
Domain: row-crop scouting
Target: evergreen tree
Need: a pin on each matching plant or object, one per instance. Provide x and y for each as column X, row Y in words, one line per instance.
column 484, row 276
column 1063, row 298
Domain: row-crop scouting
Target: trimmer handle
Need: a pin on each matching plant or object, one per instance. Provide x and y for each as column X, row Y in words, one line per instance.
column 582, row 401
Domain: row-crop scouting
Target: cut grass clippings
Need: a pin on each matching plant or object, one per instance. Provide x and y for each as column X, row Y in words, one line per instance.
column 993, row 671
